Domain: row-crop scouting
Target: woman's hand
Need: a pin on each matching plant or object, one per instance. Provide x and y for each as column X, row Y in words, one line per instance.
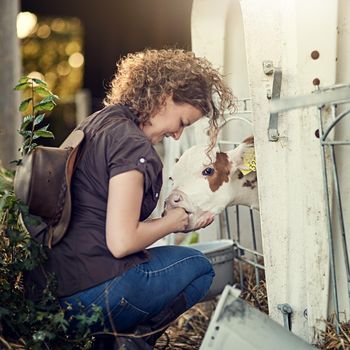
column 176, row 219
column 204, row 221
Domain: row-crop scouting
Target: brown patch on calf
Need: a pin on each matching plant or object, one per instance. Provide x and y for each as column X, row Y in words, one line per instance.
column 240, row 175
column 250, row 183
column 249, row 140
column 222, row 168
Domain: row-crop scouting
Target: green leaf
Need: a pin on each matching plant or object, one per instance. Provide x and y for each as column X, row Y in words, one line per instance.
column 25, row 133
column 44, row 106
column 43, row 133
column 6, row 200
column 44, row 127
column 24, row 104
column 33, row 145
column 27, row 141
column 39, row 82
column 27, row 118
column 26, row 121
column 16, row 161
column 42, row 335
column 37, row 135
column 42, row 91
column 49, row 98
column 39, row 119
column 23, row 79
column 22, row 86
column 60, row 321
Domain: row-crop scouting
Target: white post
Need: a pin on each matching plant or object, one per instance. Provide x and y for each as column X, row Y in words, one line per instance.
column 218, row 34
column 300, row 38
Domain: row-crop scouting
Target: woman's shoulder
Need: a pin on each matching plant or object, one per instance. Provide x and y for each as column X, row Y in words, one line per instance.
column 114, row 120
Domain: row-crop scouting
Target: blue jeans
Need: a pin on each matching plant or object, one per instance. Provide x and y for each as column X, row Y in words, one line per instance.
column 144, row 290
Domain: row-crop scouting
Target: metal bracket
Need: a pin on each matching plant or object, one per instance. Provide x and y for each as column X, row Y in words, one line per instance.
column 276, row 91
column 333, row 94
column 287, row 311
column 268, row 67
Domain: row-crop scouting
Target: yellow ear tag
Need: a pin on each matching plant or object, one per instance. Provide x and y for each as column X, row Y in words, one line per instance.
column 249, row 162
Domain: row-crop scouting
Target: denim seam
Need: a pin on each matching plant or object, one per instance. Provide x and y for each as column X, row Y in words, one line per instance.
column 110, row 311
column 171, row 265
column 100, row 296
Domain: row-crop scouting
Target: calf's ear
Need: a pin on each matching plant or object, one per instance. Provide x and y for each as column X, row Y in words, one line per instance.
column 243, row 156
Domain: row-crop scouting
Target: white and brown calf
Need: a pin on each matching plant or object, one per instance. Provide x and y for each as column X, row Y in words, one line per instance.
column 204, row 186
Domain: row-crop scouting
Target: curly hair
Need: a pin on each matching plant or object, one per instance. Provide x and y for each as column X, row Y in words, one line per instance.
column 144, row 79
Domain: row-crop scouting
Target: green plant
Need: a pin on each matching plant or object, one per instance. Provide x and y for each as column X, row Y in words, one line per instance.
column 29, row 127
column 25, row 324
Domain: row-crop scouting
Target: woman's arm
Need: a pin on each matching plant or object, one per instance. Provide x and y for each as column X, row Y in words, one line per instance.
column 125, row 234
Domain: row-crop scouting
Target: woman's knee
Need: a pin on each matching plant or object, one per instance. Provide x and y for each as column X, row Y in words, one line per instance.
column 204, row 264
column 198, row 288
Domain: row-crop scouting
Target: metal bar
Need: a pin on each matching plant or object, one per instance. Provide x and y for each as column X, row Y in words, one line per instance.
column 241, row 280
column 333, row 109
column 223, row 142
column 317, row 98
column 228, row 230
column 242, row 112
column 242, row 99
column 259, row 266
column 251, row 251
column 276, row 91
column 287, row 311
column 341, row 216
column 329, row 229
column 254, row 243
column 342, row 102
column 332, row 125
column 238, row 225
column 235, row 118
column 336, row 143
column 245, row 105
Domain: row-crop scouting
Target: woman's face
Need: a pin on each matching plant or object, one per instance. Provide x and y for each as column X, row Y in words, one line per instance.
column 170, row 120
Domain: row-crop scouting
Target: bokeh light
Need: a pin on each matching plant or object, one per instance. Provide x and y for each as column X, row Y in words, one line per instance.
column 43, row 31
column 72, row 47
column 26, row 22
column 53, row 46
column 76, row 60
column 58, row 25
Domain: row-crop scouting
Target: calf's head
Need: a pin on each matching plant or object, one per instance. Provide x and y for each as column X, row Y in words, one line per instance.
column 203, row 185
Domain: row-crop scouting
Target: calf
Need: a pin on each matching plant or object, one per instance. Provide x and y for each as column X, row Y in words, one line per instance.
column 206, row 186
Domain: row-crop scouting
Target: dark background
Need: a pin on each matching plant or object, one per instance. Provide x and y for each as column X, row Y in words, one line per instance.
column 112, row 28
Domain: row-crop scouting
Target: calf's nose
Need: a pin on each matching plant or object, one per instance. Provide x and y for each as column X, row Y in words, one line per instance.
column 174, row 199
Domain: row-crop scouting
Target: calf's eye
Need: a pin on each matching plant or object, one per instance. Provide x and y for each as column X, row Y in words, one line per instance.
column 208, row 171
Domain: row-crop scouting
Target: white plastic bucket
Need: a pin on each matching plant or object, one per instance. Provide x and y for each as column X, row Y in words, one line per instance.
column 221, row 254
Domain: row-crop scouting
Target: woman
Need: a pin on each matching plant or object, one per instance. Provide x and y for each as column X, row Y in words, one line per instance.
column 103, row 258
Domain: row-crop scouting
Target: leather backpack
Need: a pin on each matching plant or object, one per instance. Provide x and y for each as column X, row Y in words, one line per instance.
column 43, row 182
